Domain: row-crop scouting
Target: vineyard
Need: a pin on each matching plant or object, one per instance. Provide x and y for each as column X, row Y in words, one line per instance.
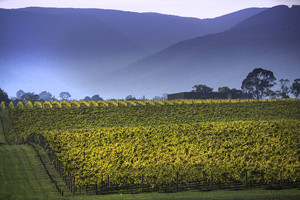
column 156, row 143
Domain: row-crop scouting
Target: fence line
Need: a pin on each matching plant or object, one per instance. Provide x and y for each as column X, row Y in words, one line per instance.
column 30, row 140
column 107, row 187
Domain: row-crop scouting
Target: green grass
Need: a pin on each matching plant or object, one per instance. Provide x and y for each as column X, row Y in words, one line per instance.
column 257, row 194
column 22, row 175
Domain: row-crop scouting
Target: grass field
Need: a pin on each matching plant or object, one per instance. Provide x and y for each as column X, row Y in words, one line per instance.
column 257, row 194
column 22, row 175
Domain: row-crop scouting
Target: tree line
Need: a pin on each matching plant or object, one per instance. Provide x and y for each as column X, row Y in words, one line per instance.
column 43, row 96
column 258, row 84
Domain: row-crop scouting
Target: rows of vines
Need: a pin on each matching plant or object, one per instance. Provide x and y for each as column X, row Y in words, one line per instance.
column 161, row 140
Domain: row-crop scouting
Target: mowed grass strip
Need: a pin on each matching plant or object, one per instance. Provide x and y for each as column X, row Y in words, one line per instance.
column 251, row 194
column 22, row 175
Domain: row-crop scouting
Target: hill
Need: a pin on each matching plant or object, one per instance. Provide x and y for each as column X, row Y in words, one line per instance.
column 67, row 48
column 268, row 40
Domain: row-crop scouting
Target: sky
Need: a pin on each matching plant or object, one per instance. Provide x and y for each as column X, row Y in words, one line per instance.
column 186, row 8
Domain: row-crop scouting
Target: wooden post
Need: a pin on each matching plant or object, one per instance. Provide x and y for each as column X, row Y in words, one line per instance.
column 246, row 179
column 74, row 187
column 176, row 181
column 71, row 185
column 281, row 183
column 142, row 183
column 108, row 184
column 96, row 188
column 211, row 180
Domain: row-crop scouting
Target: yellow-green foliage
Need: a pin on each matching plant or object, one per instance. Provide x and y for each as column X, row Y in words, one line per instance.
column 152, row 103
column 75, row 104
column 11, row 105
column 47, row 104
column 229, row 149
column 84, row 103
column 157, row 102
column 191, row 137
column 65, row 104
column 57, row 104
column 28, row 105
column 102, row 103
column 2, row 105
column 20, row 105
column 169, row 102
column 112, row 103
column 131, row 103
column 142, row 103
column 122, row 103
column 38, row 104
column 93, row 103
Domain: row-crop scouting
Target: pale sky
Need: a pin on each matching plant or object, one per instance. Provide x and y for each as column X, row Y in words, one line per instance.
column 187, row 8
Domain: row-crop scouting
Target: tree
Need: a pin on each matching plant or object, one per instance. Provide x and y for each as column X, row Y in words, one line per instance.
column 130, row 97
column 284, row 88
column 158, row 98
column 29, row 97
column 295, row 89
column 96, row 98
column 65, row 96
column 272, row 94
column 46, row 96
column 202, row 89
column 87, row 98
column 258, row 82
column 224, row 89
column 4, row 97
column 19, row 94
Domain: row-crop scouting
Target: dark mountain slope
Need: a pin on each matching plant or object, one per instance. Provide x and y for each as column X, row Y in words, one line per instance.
column 154, row 31
column 74, row 48
column 69, row 39
column 269, row 40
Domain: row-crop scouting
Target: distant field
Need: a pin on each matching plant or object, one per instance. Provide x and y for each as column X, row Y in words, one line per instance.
column 168, row 141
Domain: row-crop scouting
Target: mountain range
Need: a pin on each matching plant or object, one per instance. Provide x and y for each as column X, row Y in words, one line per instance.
column 269, row 40
column 117, row 53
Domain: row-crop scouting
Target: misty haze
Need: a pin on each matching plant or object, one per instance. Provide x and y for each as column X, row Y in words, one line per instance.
column 115, row 53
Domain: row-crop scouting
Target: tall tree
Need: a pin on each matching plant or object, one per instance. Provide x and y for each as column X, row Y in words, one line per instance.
column 19, row 94
column 224, row 89
column 46, row 96
column 202, row 89
column 284, row 88
column 29, row 97
column 96, row 98
column 258, row 82
column 3, row 96
column 87, row 98
column 295, row 89
column 130, row 97
column 65, row 96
